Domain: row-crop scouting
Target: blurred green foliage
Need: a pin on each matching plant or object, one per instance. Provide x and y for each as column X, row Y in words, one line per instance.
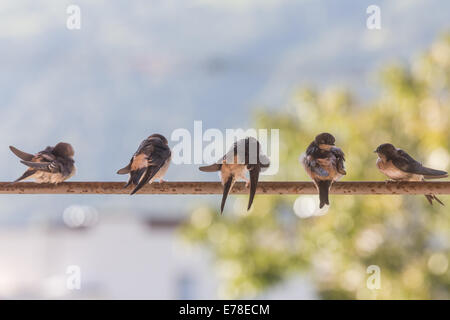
column 408, row 239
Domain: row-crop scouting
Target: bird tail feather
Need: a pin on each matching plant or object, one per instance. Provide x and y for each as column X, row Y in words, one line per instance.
column 150, row 172
column 124, row 170
column 135, row 177
column 226, row 189
column 211, row 168
column 25, row 175
column 254, row 176
column 324, row 187
column 429, row 173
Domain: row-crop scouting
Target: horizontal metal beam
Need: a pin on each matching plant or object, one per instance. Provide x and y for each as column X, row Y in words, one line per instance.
column 300, row 187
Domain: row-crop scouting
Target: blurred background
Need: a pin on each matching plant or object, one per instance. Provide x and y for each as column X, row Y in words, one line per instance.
column 139, row 67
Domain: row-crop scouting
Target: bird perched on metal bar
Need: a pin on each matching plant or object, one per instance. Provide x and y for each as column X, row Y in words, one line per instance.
column 398, row 165
column 324, row 163
column 52, row 165
column 150, row 162
column 244, row 156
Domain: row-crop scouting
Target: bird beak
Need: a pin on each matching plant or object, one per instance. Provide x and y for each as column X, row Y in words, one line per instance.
column 375, row 151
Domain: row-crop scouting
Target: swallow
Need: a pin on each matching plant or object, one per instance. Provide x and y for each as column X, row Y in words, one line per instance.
column 398, row 165
column 149, row 162
column 244, row 156
column 52, row 165
column 324, row 163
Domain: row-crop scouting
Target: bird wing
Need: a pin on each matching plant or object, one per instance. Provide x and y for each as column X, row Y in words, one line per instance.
column 44, row 161
column 157, row 153
column 314, row 167
column 126, row 169
column 218, row 165
column 311, row 163
column 338, row 153
column 408, row 164
column 22, row 155
column 340, row 159
column 434, row 174
column 52, row 167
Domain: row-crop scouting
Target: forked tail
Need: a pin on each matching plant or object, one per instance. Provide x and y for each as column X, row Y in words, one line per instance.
column 324, row 188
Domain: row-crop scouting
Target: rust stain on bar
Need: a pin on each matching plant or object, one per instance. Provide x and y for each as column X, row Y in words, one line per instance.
column 264, row 187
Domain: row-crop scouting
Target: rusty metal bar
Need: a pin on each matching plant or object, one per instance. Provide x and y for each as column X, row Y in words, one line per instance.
column 300, row 187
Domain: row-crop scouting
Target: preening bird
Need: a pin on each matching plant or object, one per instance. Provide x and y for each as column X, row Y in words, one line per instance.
column 150, row 162
column 398, row 165
column 52, row 165
column 324, row 163
column 244, row 156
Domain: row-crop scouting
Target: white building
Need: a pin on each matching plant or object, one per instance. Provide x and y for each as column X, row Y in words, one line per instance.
column 119, row 257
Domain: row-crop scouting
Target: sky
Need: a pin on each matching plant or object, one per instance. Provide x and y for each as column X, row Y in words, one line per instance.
column 140, row 67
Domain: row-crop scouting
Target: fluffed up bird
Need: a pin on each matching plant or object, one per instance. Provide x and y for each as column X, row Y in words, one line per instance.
column 398, row 165
column 150, row 162
column 244, row 156
column 324, row 163
column 52, row 165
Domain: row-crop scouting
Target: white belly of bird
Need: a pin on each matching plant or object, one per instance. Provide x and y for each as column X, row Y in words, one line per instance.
column 46, row 177
column 161, row 172
column 392, row 172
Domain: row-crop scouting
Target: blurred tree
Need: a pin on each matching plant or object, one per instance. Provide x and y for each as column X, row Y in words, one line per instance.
column 282, row 235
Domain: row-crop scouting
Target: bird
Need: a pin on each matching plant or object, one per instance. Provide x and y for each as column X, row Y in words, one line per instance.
column 244, row 156
column 398, row 165
column 52, row 165
column 149, row 162
column 324, row 163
